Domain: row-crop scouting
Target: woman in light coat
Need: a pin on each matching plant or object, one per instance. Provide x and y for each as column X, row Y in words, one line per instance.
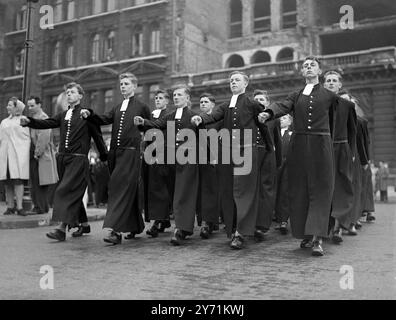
column 14, row 156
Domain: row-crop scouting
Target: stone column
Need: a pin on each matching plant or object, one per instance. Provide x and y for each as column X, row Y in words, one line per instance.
column 276, row 15
column 247, row 17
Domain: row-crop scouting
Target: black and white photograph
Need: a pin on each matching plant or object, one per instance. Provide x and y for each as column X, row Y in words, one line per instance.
column 197, row 155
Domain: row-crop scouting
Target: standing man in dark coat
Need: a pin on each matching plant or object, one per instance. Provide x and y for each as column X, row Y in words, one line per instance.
column 272, row 154
column 123, row 212
column 72, row 161
column 208, row 205
column 282, row 206
column 344, row 155
column 159, row 179
column 242, row 189
column 310, row 159
column 185, row 149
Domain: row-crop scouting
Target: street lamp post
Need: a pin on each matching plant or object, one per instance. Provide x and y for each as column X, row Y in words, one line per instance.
column 27, row 200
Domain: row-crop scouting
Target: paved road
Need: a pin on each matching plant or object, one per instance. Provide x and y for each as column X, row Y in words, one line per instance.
column 152, row 269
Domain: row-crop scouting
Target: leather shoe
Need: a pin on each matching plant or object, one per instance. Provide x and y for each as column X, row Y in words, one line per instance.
column 337, row 237
column 8, row 212
column 57, row 234
column 317, row 250
column 21, row 212
column 163, row 225
column 259, row 235
column 306, row 244
column 114, row 238
column 358, row 225
column 153, row 231
column 370, row 217
column 283, row 228
column 81, row 230
column 205, row 233
column 130, row 236
column 237, row 243
column 177, row 238
column 352, row 231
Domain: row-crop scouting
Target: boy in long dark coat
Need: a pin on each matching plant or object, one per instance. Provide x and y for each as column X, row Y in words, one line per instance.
column 241, row 192
column 123, row 212
column 344, row 155
column 311, row 162
column 159, row 179
column 186, row 177
column 72, row 161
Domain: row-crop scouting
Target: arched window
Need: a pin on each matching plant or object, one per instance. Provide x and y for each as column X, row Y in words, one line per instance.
column 155, row 38
column 286, row 54
column 109, row 46
column 261, row 57
column 235, row 61
column 95, row 48
column 70, row 10
column 289, row 13
column 55, row 62
column 69, row 53
column 21, row 18
column 137, row 41
column 236, row 19
column 19, row 61
column 262, row 16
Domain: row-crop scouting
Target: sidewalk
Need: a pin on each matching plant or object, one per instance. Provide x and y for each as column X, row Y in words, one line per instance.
column 42, row 220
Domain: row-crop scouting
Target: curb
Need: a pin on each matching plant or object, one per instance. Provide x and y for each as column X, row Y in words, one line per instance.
column 26, row 223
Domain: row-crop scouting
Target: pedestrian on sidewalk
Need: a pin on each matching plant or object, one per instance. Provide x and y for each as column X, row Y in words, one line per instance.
column 383, row 174
column 14, row 156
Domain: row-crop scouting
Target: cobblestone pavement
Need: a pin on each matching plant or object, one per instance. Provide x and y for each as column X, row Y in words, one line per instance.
column 152, row 269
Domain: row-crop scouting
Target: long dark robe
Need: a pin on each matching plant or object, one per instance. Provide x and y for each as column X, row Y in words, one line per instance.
column 72, row 163
column 344, row 152
column 310, row 159
column 239, row 193
column 123, row 210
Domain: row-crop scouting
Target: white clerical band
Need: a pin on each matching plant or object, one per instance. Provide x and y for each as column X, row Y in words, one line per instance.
column 179, row 113
column 156, row 113
column 308, row 89
column 234, row 100
column 69, row 114
column 125, row 105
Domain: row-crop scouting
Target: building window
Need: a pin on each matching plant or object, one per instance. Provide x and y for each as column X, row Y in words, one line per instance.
column 56, row 56
column 235, row 61
column 70, row 10
column 286, row 54
column 96, row 6
column 19, row 61
column 139, row 93
column 69, row 54
column 155, row 38
column 95, row 48
column 236, row 19
column 261, row 57
column 110, row 5
column 109, row 99
column 58, row 11
column 153, row 90
column 289, row 13
column 137, row 41
column 21, row 18
column 262, row 16
column 109, row 46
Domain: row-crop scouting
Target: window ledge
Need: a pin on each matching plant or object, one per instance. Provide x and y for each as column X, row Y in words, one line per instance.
column 15, row 32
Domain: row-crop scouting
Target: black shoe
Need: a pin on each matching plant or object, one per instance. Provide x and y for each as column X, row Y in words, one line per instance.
column 81, row 231
column 370, row 217
column 153, row 231
column 130, row 236
column 216, row 227
column 163, row 225
column 113, row 238
column 283, row 228
column 237, row 243
column 317, row 250
column 9, row 212
column 37, row 210
column 21, row 212
column 306, row 244
column 352, row 231
column 358, row 225
column 337, row 238
column 177, row 238
column 57, row 235
column 205, row 233
column 259, row 235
